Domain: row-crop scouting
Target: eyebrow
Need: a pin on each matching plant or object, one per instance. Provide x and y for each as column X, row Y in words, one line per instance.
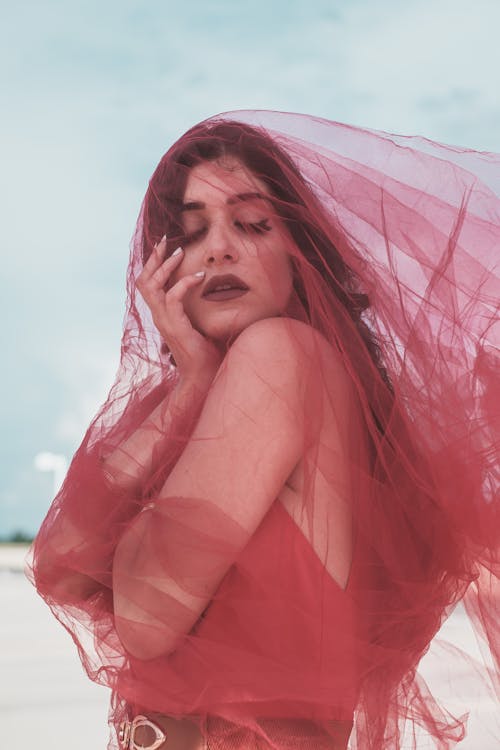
column 199, row 205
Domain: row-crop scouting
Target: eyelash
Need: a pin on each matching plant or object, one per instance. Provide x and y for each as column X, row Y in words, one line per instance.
column 258, row 227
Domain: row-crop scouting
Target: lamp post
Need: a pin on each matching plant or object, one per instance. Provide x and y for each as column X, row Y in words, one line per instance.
column 54, row 462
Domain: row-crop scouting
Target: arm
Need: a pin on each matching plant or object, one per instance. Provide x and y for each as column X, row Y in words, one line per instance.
column 73, row 541
column 197, row 358
column 73, row 550
column 245, row 445
column 137, row 457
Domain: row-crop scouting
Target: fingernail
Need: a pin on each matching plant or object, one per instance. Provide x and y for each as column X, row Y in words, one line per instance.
column 177, row 252
column 200, row 274
column 163, row 238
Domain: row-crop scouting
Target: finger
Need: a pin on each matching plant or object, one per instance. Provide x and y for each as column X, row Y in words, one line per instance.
column 169, row 314
column 175, row 320
column 179, row 289
column 152, row 281
column 155, row 259
column 170, row 303
column 174, row 297
column 167, row 267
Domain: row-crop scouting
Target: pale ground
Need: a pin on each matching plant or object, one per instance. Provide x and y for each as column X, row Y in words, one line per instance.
column 46, row 702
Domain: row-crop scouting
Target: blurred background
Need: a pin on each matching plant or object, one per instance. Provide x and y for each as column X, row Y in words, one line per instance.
column 94, row 93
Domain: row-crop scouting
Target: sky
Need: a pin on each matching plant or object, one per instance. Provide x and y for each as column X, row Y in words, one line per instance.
column 95, row 92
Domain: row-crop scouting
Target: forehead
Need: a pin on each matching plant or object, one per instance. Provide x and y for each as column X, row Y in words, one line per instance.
column 215, row 182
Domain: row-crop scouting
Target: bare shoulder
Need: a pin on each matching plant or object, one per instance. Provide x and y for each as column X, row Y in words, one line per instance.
column 275, row 338
column 287, row 353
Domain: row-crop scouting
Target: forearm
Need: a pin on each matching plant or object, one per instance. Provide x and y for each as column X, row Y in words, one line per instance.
column 137, row 457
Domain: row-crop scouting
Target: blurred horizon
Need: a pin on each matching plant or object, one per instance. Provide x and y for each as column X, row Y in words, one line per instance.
column 96, row 93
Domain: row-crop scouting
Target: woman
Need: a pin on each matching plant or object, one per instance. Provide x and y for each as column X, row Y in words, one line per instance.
column 282, row 498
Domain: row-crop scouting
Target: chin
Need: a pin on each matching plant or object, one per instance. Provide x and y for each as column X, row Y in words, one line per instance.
column 227, row 328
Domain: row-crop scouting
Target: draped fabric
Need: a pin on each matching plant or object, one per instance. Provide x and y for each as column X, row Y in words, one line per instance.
column 318, row 615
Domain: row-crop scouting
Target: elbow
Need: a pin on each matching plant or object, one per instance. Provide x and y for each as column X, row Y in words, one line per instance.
column 143, row 641
column 58, row 583
column 75, row 588
column 142, row 635
column 149, row 620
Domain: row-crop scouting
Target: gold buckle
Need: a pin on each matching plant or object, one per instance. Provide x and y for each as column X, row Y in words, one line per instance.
column 126, row 733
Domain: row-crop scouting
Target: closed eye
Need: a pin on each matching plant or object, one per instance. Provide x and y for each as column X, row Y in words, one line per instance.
column 190, row 237
column 258, row 227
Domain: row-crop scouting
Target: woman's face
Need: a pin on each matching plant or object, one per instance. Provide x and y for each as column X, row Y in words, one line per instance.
column 231, row 228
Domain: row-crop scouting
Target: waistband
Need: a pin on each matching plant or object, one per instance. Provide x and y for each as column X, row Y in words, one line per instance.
column 162, row 732
column 159, row 731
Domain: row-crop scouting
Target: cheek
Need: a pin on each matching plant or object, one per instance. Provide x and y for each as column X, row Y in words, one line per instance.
column 277, row 266
column 286, row 282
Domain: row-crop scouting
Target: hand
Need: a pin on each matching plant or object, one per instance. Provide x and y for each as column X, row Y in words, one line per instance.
column 195, row 356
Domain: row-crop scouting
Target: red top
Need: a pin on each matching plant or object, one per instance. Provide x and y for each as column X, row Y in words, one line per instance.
column 278, row 635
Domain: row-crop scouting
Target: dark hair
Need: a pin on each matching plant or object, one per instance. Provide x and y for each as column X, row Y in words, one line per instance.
column 293, row 199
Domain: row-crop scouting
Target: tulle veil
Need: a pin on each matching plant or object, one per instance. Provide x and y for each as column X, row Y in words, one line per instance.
column 396, row 249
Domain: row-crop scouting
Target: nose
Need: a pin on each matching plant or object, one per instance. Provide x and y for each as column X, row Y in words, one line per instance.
column 220, row 247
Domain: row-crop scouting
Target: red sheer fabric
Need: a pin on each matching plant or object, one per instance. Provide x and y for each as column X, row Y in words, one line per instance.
column 275, row 607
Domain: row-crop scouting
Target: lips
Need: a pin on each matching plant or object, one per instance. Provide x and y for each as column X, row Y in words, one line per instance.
column 225, row 283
